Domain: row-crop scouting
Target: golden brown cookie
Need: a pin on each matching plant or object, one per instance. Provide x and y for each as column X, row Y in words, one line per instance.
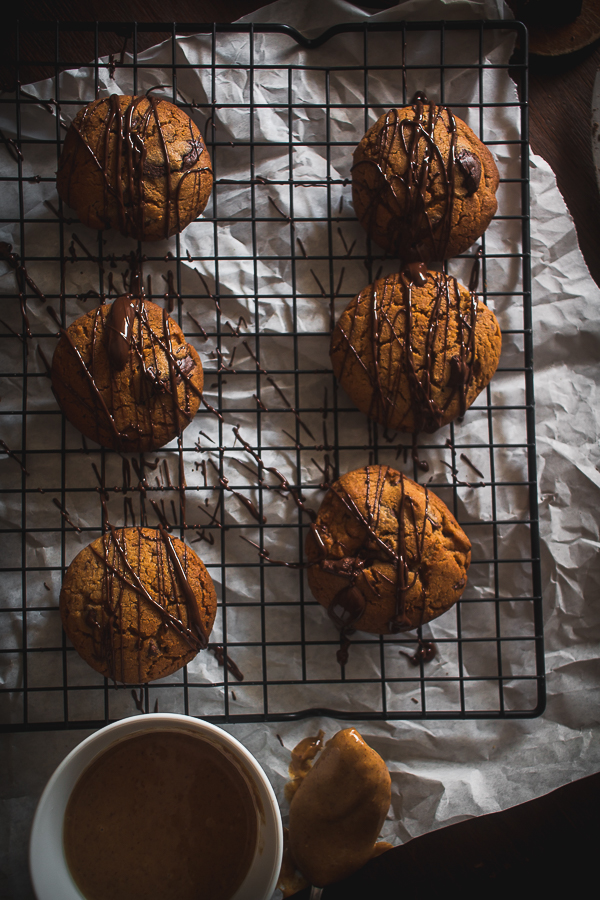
column 125, row 376
column 136, row 164
column 137, row 604
column 423, row 185
column 414, row 350
column 386, row 554
column 337, row 812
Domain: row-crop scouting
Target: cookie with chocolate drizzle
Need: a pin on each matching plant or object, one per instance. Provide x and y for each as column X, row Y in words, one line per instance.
column 414, row 350
column 423, row 184
column 137, row 604
column 386, row 554
column 136, row 164
column 125, row 376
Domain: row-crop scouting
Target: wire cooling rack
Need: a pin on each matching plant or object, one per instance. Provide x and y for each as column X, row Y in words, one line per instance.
column 256, row 284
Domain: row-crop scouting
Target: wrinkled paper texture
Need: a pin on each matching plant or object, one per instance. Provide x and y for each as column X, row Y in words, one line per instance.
column 442, row 771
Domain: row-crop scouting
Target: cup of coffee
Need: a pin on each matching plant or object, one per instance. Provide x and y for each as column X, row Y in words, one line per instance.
column 160, row 805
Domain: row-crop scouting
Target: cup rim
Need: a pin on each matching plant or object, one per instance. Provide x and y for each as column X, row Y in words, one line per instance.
column 54, row 798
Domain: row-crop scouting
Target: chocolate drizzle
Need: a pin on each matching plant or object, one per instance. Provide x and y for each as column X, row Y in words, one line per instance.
column 188, row 593
column 120, row 331
column 23, row 281
column 224, row 659
column 124, row 335
column 477, row 471
column 120, row 574
column 415, row 273
column 14, row 456
column 347, row 607
column 12, row 147
column 414, row 156
column 425, row 652
column 405, row 361
column 403, row 551
column 121, row 157
column 285, row 485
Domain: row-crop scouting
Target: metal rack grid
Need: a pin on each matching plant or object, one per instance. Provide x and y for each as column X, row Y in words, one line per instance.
column 265, row 380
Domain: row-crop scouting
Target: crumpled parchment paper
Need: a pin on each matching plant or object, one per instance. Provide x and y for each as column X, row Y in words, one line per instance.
column 442, row 771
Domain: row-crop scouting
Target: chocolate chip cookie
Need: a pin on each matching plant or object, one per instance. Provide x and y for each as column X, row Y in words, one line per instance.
column 386, row 554
column 125, row 376
column 136, row 164
column 414, row 350
column 423, row 185
column 137, row 604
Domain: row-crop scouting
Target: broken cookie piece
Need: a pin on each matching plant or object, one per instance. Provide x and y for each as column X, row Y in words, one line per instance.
column 337, row 811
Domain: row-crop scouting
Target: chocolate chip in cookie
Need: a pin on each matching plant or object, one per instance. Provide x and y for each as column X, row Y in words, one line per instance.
column 385, row 554
column 414, row 350
column 423, row 184
column 137, row 604
column 125, row 376
column 135, row 164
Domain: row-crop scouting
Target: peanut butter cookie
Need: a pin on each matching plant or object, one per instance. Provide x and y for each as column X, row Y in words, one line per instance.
column 386, row 554
column 137, row 604
column 414, row 350
column 337, row 812
column 136, row 164
column 423, row 185
column 125, row 376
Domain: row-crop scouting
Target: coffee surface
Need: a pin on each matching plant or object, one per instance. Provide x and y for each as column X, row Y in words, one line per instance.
column 161, row 815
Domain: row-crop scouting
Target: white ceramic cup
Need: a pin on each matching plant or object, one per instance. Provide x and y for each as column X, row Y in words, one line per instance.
column 50, row 874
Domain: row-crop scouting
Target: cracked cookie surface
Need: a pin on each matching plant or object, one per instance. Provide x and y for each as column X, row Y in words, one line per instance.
column 135, row 164
column 131, row 610
column 125, row 376
column 423, row 184
column 386, row 554
column 414, row 354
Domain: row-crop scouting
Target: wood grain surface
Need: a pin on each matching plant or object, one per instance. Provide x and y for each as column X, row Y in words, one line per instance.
column 560, row 88
column 560, row 130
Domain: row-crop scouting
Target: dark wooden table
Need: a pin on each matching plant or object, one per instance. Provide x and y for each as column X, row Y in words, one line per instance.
column 560, row 88
column 560, row 130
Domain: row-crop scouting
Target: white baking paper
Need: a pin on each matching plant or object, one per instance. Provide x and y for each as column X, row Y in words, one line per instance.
column 441, row 771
